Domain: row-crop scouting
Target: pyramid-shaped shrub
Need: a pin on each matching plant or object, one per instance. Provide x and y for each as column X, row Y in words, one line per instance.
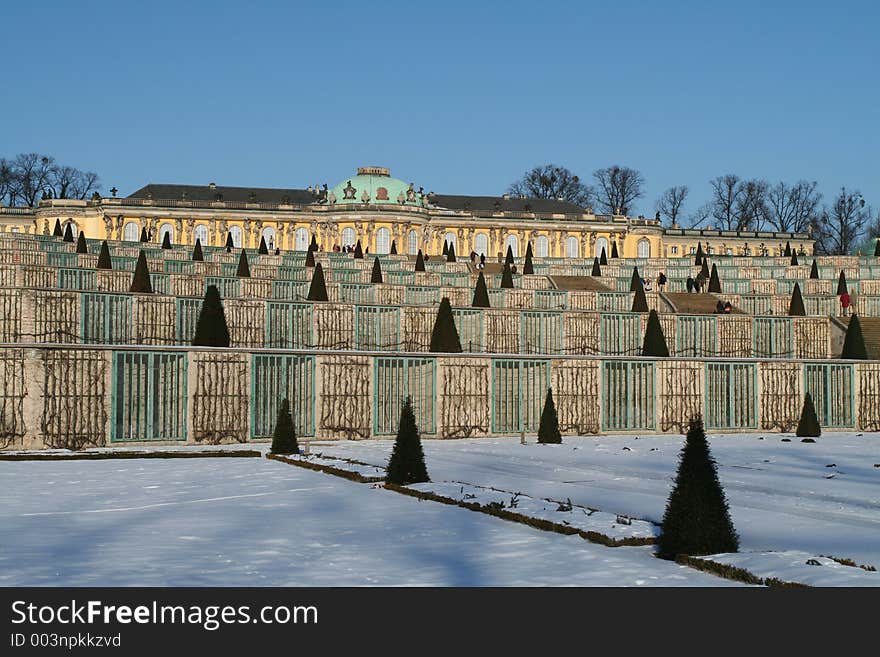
column 197, row 254
column 481, row 294
column 714, row 281
column 854, row 341
column 808, row 425
column 794, row 260
column 310, row 258
column 597, row 270
column 393, row 250
column 655, row 341
column 211, row 328
column 698, row 258
column 635, row 281
column 244, row 269
column 263, row 249
column 313, row 245
column 814, row 270
column 796, row 307
column 640, row 301
column 104, row 260
column 506, row 277
column 144, row 236
column 445, row 247
column 166, row 240
column 444, row 336
column 877, row 248
column 603, row 257
column 68, row 233
column 841, row 284
column 508, row 259
column 420, row 261
column 140, row 281
column 548, row 429
column 58, row 232
column 81, row 245
column 704, row 270
column 407, row 463
column 787, row 251
column 697, row 519
column 358, row 251
column 376, row 275
column 450, row 253
column 318, row 289
column 284, row 436
column 528, row 265
column 614, row 250
column 229, row 243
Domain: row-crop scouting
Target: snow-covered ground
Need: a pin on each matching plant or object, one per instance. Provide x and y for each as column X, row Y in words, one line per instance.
column 256, row 522
column 819, row 498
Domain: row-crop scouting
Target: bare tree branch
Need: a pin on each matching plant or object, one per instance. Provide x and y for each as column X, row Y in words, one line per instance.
column 619, row 187
column 670, row 203
column 555, row 182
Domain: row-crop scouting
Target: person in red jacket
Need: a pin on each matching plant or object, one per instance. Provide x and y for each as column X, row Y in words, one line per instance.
column 844, row 303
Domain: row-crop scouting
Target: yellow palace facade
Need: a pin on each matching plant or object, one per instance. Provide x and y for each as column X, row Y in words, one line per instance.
column 376, row 209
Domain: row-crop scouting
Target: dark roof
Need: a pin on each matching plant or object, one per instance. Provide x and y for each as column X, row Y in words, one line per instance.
column 501, row 204
column 227, row 194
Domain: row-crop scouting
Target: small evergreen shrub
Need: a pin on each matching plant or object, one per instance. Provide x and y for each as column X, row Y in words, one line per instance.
column 284, row 436
column 310, row 258
column 808, row 425
column 481, row 293
column 814, row 270
column 318, row 289
column 407, row 463
column 140, row 281
column 197, row 254
column 597, row 270
column 506, row 277
column 450, row 252
column 393, row 250
column 420, row 261
column 841, row 284
column 229, row 243
column 614, row 250
column 655, row 341
column 635, row 282
column 81, row 245
column 603, row 257
column 444, row 336
column 640, row 301
column 211, row 328
column 144, row 236
column 796, row 307
column 244, row 269
column 548, row 429
column 58, row 232
column 854, row 341
column 166, row 240
column 508, row 259
column 263, row 249
column 528, row 265
column 104, row 260
column 376, row 275
column 68, row 233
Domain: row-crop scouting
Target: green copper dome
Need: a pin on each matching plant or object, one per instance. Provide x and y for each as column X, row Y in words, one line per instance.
column 374, row 185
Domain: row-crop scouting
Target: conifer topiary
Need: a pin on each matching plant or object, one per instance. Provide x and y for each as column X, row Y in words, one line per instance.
column 376, row 275
column 140, row 281
column 794, row 260
column 841, row 284
column 310, row 258
column 548, row 429
column 358, row 251
column 787, row 251
column 444, row 336
column 635, row 282
column 655, row 342
column 877, row 248
column 450, row 253
column 705, row 268
column 508, row 259
column 697, row 519
column 528, row 265
column 262, row 249
column 603, row 258
column 640, row 301
column 808, row 425
column 317, row 289
column 796, row 307
column 244, row 269
column 481, row 293
column 68, row 233
column 614, row 250
column 814, row 270
column 229, row 243
column 104, row 260
column 407, row 463
column 854, row 341
column 58, row 232
column 144, row 236
column 313, row 245
column 81, row 245
column 698, row 259
column 445, row 248
column 393, row 250
column 420, row 261
column 211, row 328
column 284, row 436
column 506, row 277
column 166, row 240
column 197, row 254
column 597, row 270
column 714, row 281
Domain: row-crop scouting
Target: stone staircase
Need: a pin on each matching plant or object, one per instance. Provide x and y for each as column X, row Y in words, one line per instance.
column 579, row 283
column 692, row 303
column 870, row 331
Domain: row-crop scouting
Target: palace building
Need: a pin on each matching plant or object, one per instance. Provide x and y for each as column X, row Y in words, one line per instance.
column 377, row 209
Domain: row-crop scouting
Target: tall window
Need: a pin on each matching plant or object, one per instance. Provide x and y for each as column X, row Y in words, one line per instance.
column 481, row 244
column 269, row 236
column 201, row 234
column 166, row 228
column 602, row 243
column 301, row 239
column 450, row 238
column 542, row 246
column 383, row 241
column 72, row 227
column 513, row 242
column 131, row 232
column 413, row 242
column 348, row 237
column 571, row 247
column 235, row 231
column 644, row 249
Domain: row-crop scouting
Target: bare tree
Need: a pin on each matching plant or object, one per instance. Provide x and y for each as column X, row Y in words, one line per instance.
column 619, row 187
column 31, row 173
column 751, row 205
column 7, row 181
column 840, row 226
column 670, row 203
column 69, row 182
column 737, row 204
column 793, row 208
column 551, row 181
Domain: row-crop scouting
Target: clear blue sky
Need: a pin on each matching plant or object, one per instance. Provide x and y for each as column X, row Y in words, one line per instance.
column 460, row 97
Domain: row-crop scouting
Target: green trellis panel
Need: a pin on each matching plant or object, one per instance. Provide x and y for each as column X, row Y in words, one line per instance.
column 628, row 390
column 357, row 293
column 540, row 332
column 292, row 290
column 696, row 335
column 420, row 295
column 731, row 396
column 620, row 334
column 148, row 396
column 228, row 287
column 614, row 301
column 77, row 279
column 289, row 325
column 831, row 387
column 105, row 318
column 551, row 299
column 377, row 327
column 469, row 324
column 396, row 378
column 274, row 378
column 518, row 391
column 773, row 337
column 186, row 317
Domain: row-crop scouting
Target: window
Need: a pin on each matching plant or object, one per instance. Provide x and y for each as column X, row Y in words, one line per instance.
column 269, row 236
column 449, row 238
column 602, row 245
column 513, row 242
column 542, row 246
column 72, row 228
column 413, row 242
column 166, row 228
column 235, row 231
column 710, row 250
column 301, row 239
column 383, row 241
column 481, row 244
column 693, row 250
column 201, row 234
column 644, row 249
column 674, row 250
column 348, row 238
column 571, row 247
column 131, row 232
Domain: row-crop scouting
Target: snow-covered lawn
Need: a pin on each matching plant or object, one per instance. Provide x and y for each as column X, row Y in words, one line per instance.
column 255, row 522
column 819, row 498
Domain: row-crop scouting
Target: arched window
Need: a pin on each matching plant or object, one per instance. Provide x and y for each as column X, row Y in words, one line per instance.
column 644, row 249
column 72, row 227
column 201, row 234
column 301, row 239
column 235, row 231
column 166, row 228
column 348, row 237
column 268, row 235
column 449, row 238
column 383, row 241
column 513, row 242
column 413, row 242
column 602, row 243
column 571, row 247
column 481, row 244
column 131, row 232
column 542, row 246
